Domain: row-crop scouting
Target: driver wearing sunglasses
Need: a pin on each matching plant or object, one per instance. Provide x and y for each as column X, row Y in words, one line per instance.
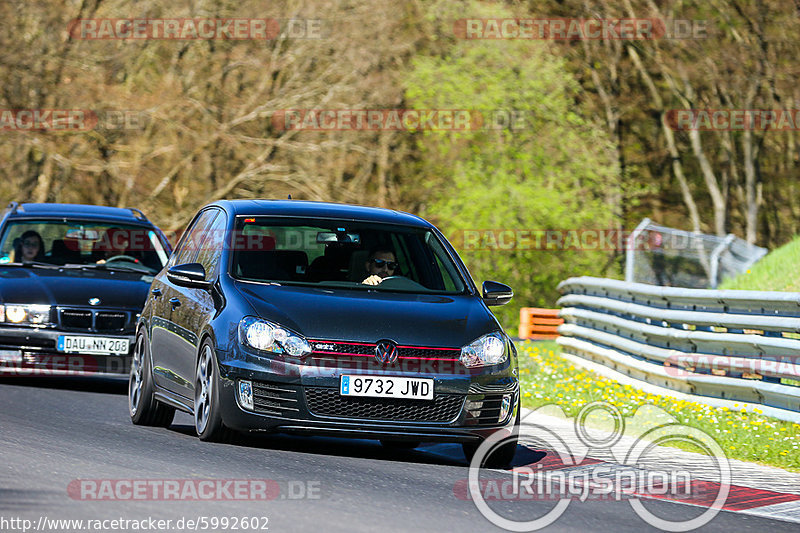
column 381, row 264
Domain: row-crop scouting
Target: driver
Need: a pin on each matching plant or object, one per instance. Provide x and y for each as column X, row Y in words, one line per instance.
column 116, row 242
column 381, row 264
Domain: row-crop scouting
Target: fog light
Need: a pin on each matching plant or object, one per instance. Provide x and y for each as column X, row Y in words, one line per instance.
column 505, row 407
column 246, row 394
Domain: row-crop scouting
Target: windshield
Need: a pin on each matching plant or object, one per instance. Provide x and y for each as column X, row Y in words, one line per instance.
column 333, row 253
column 83, row 243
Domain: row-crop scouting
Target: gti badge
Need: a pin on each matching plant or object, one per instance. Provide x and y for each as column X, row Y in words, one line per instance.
column 321, row 346
column 94, row 301
column 386, row 352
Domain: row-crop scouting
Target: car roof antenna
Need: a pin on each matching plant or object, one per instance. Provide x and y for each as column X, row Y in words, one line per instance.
column 290, row 197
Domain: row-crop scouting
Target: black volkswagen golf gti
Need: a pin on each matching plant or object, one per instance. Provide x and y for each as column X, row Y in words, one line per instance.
column 309, row 317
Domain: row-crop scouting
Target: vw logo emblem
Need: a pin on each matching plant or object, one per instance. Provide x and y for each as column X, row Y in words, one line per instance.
column 386, row 352
column 94, row 301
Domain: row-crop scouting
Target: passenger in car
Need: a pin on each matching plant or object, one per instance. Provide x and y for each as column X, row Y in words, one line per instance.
column 29, row 247
column 380, row 265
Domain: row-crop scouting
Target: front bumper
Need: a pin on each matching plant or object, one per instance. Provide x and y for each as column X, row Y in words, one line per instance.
column 304, row 400
column 29, row 351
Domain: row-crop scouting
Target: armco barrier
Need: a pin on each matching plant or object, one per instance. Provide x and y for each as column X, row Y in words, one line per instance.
column 539, row 324
column 737, row 345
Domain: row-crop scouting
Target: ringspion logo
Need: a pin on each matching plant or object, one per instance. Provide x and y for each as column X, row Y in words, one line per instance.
column 579, row 477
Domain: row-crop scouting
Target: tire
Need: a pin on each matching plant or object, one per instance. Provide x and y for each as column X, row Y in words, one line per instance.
column 502, row 456
column 207, row 412
column 143, row 408
column 400, row 444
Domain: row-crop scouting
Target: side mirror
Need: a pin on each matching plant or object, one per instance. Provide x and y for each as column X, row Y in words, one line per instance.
column 495, row 293
column 189, row 275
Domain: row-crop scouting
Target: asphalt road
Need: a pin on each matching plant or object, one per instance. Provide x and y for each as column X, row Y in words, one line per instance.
column 56, row 431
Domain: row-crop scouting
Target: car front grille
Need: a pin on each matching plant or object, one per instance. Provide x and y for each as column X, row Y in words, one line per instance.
column 274, row 399
column 352, row 355
column 30, row 342
column 327, row 402
column 92, row 321
column 75, row 319
column 108, row 321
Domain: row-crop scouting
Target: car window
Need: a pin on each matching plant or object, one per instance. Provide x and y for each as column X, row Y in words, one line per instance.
column 193, row 238
column 83, row 242
column 341, row 253
column 209, row 252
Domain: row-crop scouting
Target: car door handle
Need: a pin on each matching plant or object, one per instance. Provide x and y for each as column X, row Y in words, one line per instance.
column 156, row 292
column 175, row 302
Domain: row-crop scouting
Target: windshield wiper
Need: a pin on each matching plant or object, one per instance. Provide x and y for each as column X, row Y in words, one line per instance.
column 106, row 266
column 38, row 264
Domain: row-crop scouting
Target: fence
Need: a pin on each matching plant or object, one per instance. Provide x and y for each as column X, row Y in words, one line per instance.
column 671, row 257
column 539, row 324
column 737, row 345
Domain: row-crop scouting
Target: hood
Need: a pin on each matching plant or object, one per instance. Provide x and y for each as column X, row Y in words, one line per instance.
column 370, row 316
column 73, row 287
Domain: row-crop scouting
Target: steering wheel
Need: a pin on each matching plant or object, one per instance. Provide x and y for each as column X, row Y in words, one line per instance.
column 400, row 282
column 122, row 257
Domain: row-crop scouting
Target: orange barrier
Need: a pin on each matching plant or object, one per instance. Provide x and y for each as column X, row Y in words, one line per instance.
column 538, row 324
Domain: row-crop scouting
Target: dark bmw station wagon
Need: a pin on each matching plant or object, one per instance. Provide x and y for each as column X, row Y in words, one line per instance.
column 73, row 279
column 315, row 318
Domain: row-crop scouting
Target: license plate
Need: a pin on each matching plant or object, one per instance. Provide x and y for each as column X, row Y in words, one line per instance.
column 93, row 345
column 386, row 387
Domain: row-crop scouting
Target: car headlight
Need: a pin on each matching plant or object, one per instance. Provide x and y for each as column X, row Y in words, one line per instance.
column 484, row 351
column 25, row 314
column 270, row 337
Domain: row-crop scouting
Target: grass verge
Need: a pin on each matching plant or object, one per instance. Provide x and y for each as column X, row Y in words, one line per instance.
column 548, row 378
column 776, row 271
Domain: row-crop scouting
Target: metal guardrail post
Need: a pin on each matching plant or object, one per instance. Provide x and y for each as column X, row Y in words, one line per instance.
column 629, row 251
column 715, row 255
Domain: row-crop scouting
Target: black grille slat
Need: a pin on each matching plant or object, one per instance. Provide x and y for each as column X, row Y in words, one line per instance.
column 369, row 349
column 489, row 411
column 94, row 320
column 33, row 342
column 274, row 400
column 422, row 353
column 106, row 321
column 76, row 319
column 328, row 402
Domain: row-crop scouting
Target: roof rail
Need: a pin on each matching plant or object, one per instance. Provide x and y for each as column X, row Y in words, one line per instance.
column 13, row 206
column 137, row 213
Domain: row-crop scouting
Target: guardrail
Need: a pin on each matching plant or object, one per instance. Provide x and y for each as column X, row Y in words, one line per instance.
column 737, row 345
column 539, row 324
